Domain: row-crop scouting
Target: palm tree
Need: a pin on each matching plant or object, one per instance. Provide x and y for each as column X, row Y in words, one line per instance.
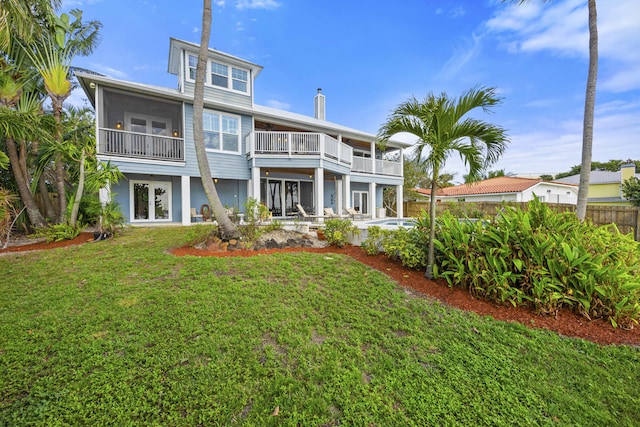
column 442, row 129
column 52, row 59
column 227, row 229
column 589, row 108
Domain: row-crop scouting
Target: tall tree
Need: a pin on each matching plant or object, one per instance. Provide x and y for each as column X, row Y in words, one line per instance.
column 442, row 127
column 589, row 108
column 227, row 229
column 52, row 59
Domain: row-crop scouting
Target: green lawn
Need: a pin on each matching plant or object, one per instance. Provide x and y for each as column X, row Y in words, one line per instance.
column 122, row 333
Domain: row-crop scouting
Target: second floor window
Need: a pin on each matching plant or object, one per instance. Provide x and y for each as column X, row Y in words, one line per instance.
column 219, row 75
column 221, row 132
column 193, row 63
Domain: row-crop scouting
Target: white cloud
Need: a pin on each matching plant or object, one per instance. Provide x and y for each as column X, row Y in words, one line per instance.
column 239, row 26
column 278, row 104
column 460, row 57
column 561, row 27
column 109, row 71
column 220, row 3
column 257, row 4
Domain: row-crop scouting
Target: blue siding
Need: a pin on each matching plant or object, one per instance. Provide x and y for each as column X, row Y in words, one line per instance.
column 222, row 165
column 220, row 95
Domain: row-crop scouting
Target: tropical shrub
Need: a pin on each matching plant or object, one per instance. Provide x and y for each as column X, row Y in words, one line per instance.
column 336, row 231
column 544, row 259
column 58, row 232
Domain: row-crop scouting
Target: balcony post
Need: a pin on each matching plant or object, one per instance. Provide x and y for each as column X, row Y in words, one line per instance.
column 373, row 157
column 372, row 200
column 399, row 201
column 185, row 189
column 318, row 181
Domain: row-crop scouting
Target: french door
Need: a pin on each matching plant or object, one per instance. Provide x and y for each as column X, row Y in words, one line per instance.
column 361, row 201
column 150, row 201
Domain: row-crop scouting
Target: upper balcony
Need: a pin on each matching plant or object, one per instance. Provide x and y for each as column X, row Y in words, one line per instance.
column 299, row 144
column 139, row 127
column 292, row 144
column 119, row 143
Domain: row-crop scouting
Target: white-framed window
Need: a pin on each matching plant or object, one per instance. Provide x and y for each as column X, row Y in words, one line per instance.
column 192, row 63
column 221, row 132
column 239, row 79
column 360, row 201
column 219, row 75
column 150, row 200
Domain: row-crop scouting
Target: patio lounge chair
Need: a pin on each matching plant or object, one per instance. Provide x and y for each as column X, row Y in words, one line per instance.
column 304, row 215
column 354, row 214
column 328, row 212
column 195, row 215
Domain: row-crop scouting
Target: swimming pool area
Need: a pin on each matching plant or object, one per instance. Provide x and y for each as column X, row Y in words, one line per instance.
column 384, row 223
column 392, row 222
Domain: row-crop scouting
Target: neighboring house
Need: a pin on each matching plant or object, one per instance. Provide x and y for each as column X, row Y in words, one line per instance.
column 277, row 157
column 508, row 188
column 605, row 188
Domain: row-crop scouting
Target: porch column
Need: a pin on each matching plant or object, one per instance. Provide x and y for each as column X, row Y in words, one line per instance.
column 399, row 200
column 338, row 192
column 372, row 200
column 318, row 181
column 254, row 184
column 373, row 158
column 185, row 189
column 346, row 187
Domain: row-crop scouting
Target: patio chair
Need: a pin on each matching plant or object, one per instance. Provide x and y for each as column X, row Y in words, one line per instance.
column 195, row 215
column 304, row 215
column 354, row 214
column 331, row 214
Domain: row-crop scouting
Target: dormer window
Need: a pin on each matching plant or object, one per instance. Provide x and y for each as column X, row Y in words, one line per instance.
column 239, row 79
column 193, row 63
column 219, row 75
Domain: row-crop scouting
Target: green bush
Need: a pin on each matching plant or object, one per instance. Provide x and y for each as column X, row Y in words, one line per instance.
column 404, row 244
column 336, row 231
column 545, row 259
column 58, row 232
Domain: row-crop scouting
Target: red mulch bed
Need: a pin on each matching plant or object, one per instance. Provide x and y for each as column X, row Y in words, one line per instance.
column 565, row 322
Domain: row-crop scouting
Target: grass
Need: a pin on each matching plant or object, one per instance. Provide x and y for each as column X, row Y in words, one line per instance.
column 122, row 333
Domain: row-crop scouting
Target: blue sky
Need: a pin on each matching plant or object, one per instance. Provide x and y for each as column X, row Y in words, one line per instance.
column 370, row 56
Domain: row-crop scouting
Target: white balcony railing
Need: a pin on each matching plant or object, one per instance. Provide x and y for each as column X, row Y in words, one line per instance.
column 382, row 167
column 386, row 167
column 306, row 143
column 115, row 142
column 299, row 143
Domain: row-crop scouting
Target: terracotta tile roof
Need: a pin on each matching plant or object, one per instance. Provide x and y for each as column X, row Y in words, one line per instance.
column 498, row 185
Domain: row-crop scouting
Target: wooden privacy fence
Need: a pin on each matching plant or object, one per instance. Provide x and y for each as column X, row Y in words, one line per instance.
column 626, row 218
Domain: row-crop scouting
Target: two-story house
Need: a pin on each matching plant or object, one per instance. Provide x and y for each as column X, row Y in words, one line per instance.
column 275, row 156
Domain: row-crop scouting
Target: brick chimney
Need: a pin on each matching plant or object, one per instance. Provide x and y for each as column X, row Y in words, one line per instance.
column 319, row 106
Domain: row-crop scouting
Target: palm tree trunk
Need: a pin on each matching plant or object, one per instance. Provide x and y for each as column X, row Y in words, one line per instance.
column 227, row 229
column 33, row 212
column 589, row 109
column 73, row 218
column 49, row 211
column 59, row 164
column 432, row 224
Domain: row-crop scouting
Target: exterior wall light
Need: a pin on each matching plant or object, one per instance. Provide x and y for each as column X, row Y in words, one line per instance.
column 119, row 124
